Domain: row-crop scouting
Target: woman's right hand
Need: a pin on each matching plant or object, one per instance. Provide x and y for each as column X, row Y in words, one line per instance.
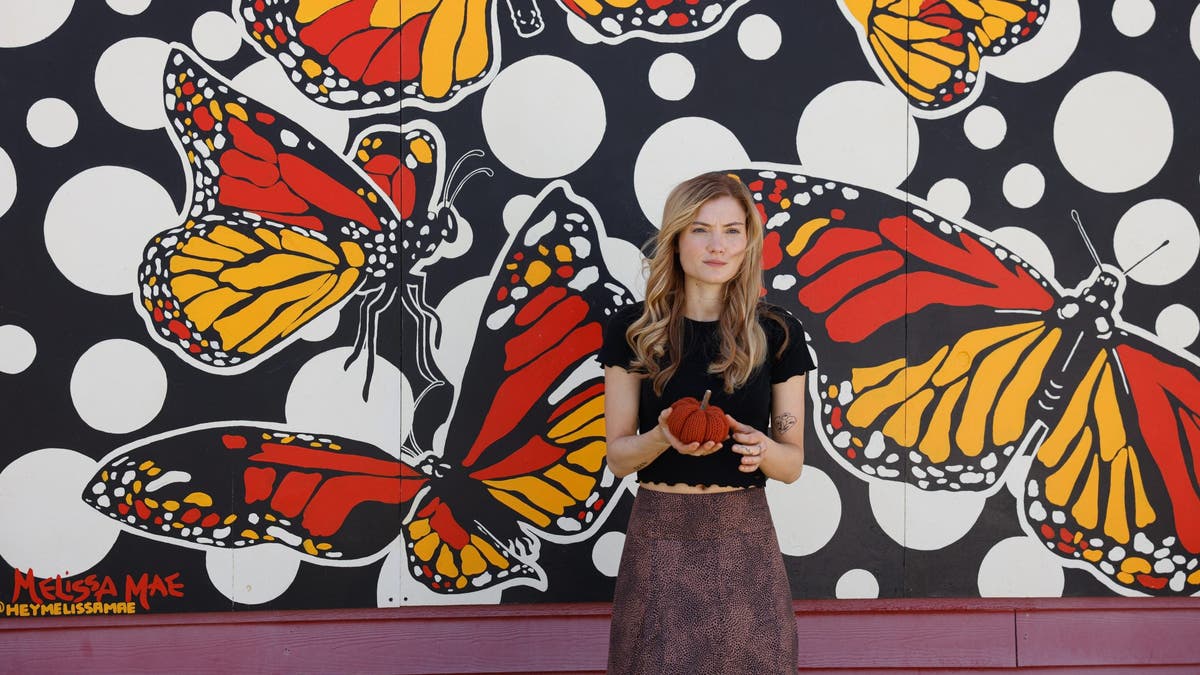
column 694, row 448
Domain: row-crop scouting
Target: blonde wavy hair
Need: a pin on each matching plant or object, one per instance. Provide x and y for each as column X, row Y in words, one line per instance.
column 657, row 335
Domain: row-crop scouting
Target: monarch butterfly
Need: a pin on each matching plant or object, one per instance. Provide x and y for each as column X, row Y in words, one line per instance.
column 942, row 356
column 932, row 51
column 377, row 54
column 523, row 458
column 280, row 229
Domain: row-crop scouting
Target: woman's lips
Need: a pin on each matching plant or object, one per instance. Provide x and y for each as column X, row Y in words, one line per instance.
column 715, row 263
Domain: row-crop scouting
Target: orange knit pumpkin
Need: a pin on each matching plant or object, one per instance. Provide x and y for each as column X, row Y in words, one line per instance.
column 693, row 421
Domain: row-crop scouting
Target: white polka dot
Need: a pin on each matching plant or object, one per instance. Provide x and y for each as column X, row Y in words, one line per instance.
column 1019, row 567
column 98, row 223
column 17, row 349
column 1177, row 326
column 625, row 263
column 320, row 328
column 267, row 83
column 216, row 36
column 129, row 82
column 859, row 132
column 327, row 397
column 582, row 30
column 1113, row 131
column 1046, row 52
column 923, row 521
column 44, row 525
column 672, row 76
column 1133, row 17
column 606, row 553
column 985, row 127
column 459, row 312
column 397, row 585
column 759, row 37
column 543, row 116
column 1016, row 475
column 24, row 23
column 857, row 584
column 1148, row 225
column 1024, row 185
column 806, row 513
column 129, row 7
column 8, row 182
column 252, row 576
column 950, row 197
column 118, row 386
column 52, row 122
column 1194, row 31
column 517, row 210
column 678, row 150
column 1028, row 246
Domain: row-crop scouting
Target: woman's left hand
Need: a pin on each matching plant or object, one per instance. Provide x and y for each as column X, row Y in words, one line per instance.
column 749, row 442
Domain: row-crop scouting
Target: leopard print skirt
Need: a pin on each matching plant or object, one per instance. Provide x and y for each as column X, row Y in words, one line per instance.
column 702, row 588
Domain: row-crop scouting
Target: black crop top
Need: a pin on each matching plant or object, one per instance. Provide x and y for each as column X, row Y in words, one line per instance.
column 751, row 404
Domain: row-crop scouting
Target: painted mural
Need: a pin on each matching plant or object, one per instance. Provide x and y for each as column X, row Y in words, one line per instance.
column 299, row 298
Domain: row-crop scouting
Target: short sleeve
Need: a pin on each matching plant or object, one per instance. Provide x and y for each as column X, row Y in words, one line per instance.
column 616, row 350
column 795, row 359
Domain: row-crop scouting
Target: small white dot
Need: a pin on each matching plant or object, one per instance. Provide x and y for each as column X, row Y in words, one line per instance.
column 1133, row 17
column 672, row 76
column 129, row 7
column 52, row 122
column 606, row 553
column 759, row 37
column 985, row 127
column 216, row 36
column 17, row 349
column 8, row 182
column 950, row 197
column 118, row 386
column 857, row 584
column 1177, row 326
column 1024, row 185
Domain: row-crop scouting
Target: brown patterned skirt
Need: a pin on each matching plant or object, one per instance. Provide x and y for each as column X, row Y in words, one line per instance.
column 702, row 588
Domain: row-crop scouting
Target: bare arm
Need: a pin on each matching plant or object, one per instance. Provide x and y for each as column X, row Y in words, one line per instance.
column 629, row 451
column 780, row 455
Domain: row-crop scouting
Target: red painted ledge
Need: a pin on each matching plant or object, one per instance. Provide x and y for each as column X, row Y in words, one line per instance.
column 1044, row 634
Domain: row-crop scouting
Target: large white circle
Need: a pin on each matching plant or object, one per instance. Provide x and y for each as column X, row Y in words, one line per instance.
column 606, row 553
column 1024, row 185
column 216, row 36
column 97, row 225
column 1019, row 567
column 806, row 513
column 543, row 116
column 129, row 82
column 859, row 132
column 24, row 23
column 1133, row 17
column 327, row 397
column 118, row 386
column 1177, row 326
column 1148, row 225
column 625, row 263
column 1028, row 246
column 923, row 521
column 1046, row 52
column 44, row 525
column 678, row 150
column 1113, row 131
column 856, row 584
column 759, row 37
column 672, row 76
column 52, row 122
column 129, row 7
column 252, row 576
column 8, row 182
column 985, row 127
column 267, row 83
column 17, row 349
column 950, row 197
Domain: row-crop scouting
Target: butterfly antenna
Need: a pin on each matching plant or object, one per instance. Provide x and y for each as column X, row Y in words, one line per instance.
column 1143, row 258
column 450, row 178
column 1083, row 233
column 467, row 177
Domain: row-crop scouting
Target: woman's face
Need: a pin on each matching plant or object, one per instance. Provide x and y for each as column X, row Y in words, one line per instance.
column 712, row 248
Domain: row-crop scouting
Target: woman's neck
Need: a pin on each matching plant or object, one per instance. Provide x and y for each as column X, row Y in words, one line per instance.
column 703, row 302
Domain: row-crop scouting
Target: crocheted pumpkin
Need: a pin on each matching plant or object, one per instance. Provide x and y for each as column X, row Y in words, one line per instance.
column 693, row 421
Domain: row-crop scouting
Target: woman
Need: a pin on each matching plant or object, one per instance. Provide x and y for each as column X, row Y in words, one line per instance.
column 702, row 586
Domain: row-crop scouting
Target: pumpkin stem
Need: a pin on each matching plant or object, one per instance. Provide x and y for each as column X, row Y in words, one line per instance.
column 704, row 403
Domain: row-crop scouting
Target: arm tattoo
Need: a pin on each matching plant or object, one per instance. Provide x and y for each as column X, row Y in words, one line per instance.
column 783, row 422
column 641, row 466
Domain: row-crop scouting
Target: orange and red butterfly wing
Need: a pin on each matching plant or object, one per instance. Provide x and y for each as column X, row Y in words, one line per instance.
column 673, row 19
